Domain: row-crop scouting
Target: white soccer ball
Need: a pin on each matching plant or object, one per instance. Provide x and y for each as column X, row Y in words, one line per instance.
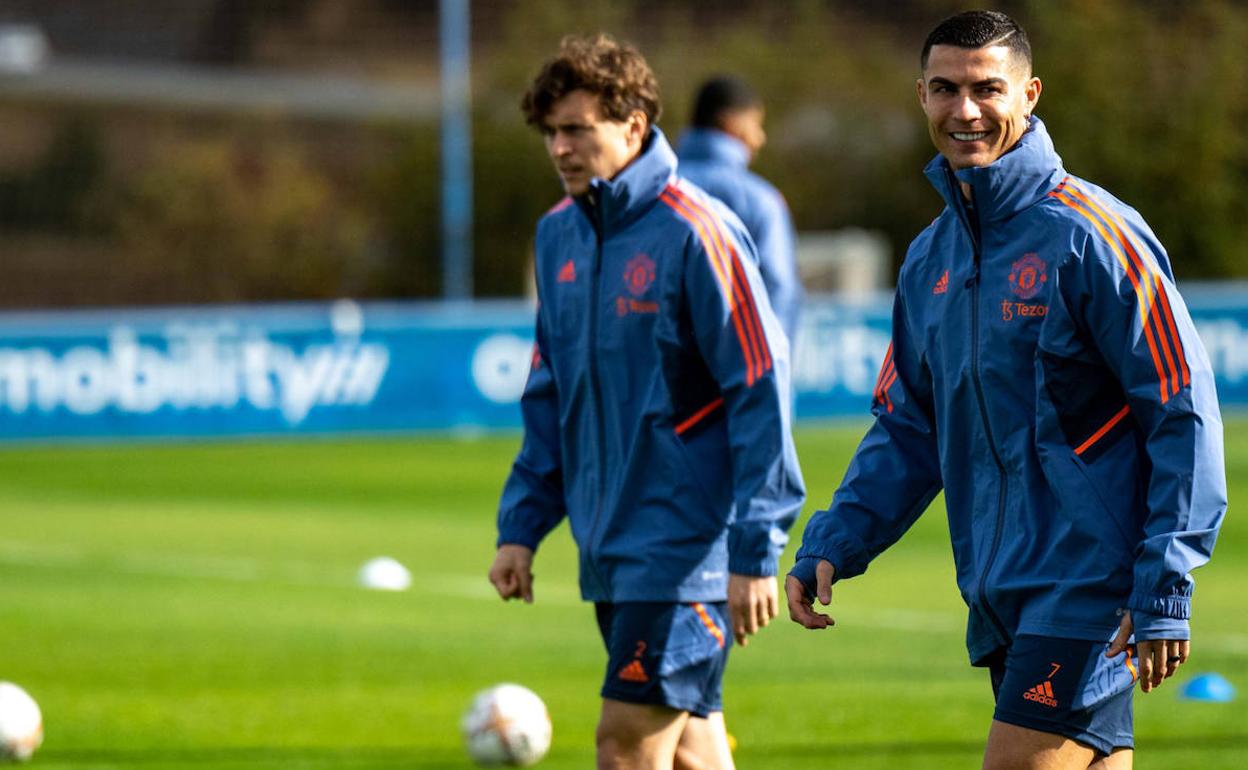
column 21, row 724
column 506, row 725
column 385, row 574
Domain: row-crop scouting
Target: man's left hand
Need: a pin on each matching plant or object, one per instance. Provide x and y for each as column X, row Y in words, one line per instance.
column 1159, row 658
column 752, row 604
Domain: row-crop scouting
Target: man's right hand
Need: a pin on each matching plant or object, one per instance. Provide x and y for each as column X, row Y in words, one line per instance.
column 512, row 572
column 801, row 604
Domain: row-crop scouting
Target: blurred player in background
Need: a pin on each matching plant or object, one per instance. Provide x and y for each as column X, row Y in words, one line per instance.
column 1044, row 371
column 656, row 413
column 715, row 154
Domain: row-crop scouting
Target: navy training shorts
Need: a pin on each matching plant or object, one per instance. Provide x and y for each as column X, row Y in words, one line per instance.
column 1067, row 687
column 666, row 653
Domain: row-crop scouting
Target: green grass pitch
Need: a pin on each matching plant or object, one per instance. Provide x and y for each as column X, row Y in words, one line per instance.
column 195, row 607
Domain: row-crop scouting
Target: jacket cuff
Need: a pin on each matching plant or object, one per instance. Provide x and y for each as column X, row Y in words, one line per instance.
column 848, row 559
column 1149, row 627
column 515, row 536
column 754, row 549
column 1174, row 606
column 804, row 571
column 751, row 567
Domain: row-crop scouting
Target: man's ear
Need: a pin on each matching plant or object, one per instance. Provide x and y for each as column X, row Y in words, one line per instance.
column 638, row 127
column 1032, row 93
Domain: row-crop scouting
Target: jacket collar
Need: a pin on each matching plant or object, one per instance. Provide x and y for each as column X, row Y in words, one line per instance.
column 709, row 144
column 1015, row 181
column 613, row 203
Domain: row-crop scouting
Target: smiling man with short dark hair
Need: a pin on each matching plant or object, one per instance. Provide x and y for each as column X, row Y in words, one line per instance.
column 1045, row 374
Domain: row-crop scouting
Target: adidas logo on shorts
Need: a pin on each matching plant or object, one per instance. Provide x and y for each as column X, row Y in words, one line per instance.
column 1042, row 694
column 634, row 672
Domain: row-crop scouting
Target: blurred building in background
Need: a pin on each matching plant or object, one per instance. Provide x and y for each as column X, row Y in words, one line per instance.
column 205, row 151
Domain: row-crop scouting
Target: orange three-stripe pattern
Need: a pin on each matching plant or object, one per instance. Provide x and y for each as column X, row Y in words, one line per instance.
column 726, row 264
column 885, row 380
column 1164, row 343
column 710, row 624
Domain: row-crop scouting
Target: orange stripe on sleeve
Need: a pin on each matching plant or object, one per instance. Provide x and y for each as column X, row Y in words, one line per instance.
column 725, row 282
column 1174, row 333
column 1149, row 277
column 887, row 375
column 892, row 377
column 731, row 277
column 1139, row 290
column 756, row 323
column 888, row 383
column 879, row 378
column 744, row 298
column 712, row 256
column 1163, row 300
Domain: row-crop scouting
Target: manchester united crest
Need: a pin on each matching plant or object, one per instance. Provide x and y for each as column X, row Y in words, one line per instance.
column 1028, row 276
column 639, row 274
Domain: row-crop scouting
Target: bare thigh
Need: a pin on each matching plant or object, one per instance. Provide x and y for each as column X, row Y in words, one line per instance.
column 704, row 744
column 636, row 736
column 1011, row 747
column 1121, row 759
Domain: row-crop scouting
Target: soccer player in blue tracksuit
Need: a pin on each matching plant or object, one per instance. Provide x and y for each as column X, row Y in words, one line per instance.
column 655, row 414
column 1045, row 373
column 715, row 154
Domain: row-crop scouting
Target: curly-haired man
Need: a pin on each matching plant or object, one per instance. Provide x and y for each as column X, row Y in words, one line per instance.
column 656, row 415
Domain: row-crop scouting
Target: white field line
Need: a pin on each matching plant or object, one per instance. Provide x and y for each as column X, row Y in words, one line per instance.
column 210, row 568
column 455, row 586
column 233, row 569
column 39, row 554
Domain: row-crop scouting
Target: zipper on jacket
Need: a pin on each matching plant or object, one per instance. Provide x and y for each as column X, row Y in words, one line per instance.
column 595, row 389
column 973, row 283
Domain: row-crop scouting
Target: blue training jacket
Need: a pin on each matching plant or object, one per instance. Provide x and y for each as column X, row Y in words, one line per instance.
column 656, row 410
column 719, row 164
column 1045, row 372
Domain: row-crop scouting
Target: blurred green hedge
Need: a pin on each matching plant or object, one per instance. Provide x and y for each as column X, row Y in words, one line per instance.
column 1148, row 99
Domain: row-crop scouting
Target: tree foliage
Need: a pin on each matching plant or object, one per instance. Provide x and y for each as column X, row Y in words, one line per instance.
column 1147, row 99
column 1144, row 97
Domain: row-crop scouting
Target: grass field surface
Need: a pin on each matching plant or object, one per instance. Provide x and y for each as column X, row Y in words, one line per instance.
column 196, row 607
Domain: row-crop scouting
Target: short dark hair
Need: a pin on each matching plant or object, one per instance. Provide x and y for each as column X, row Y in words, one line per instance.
column 614, row 72
column 719, row 95
column 979, row 29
